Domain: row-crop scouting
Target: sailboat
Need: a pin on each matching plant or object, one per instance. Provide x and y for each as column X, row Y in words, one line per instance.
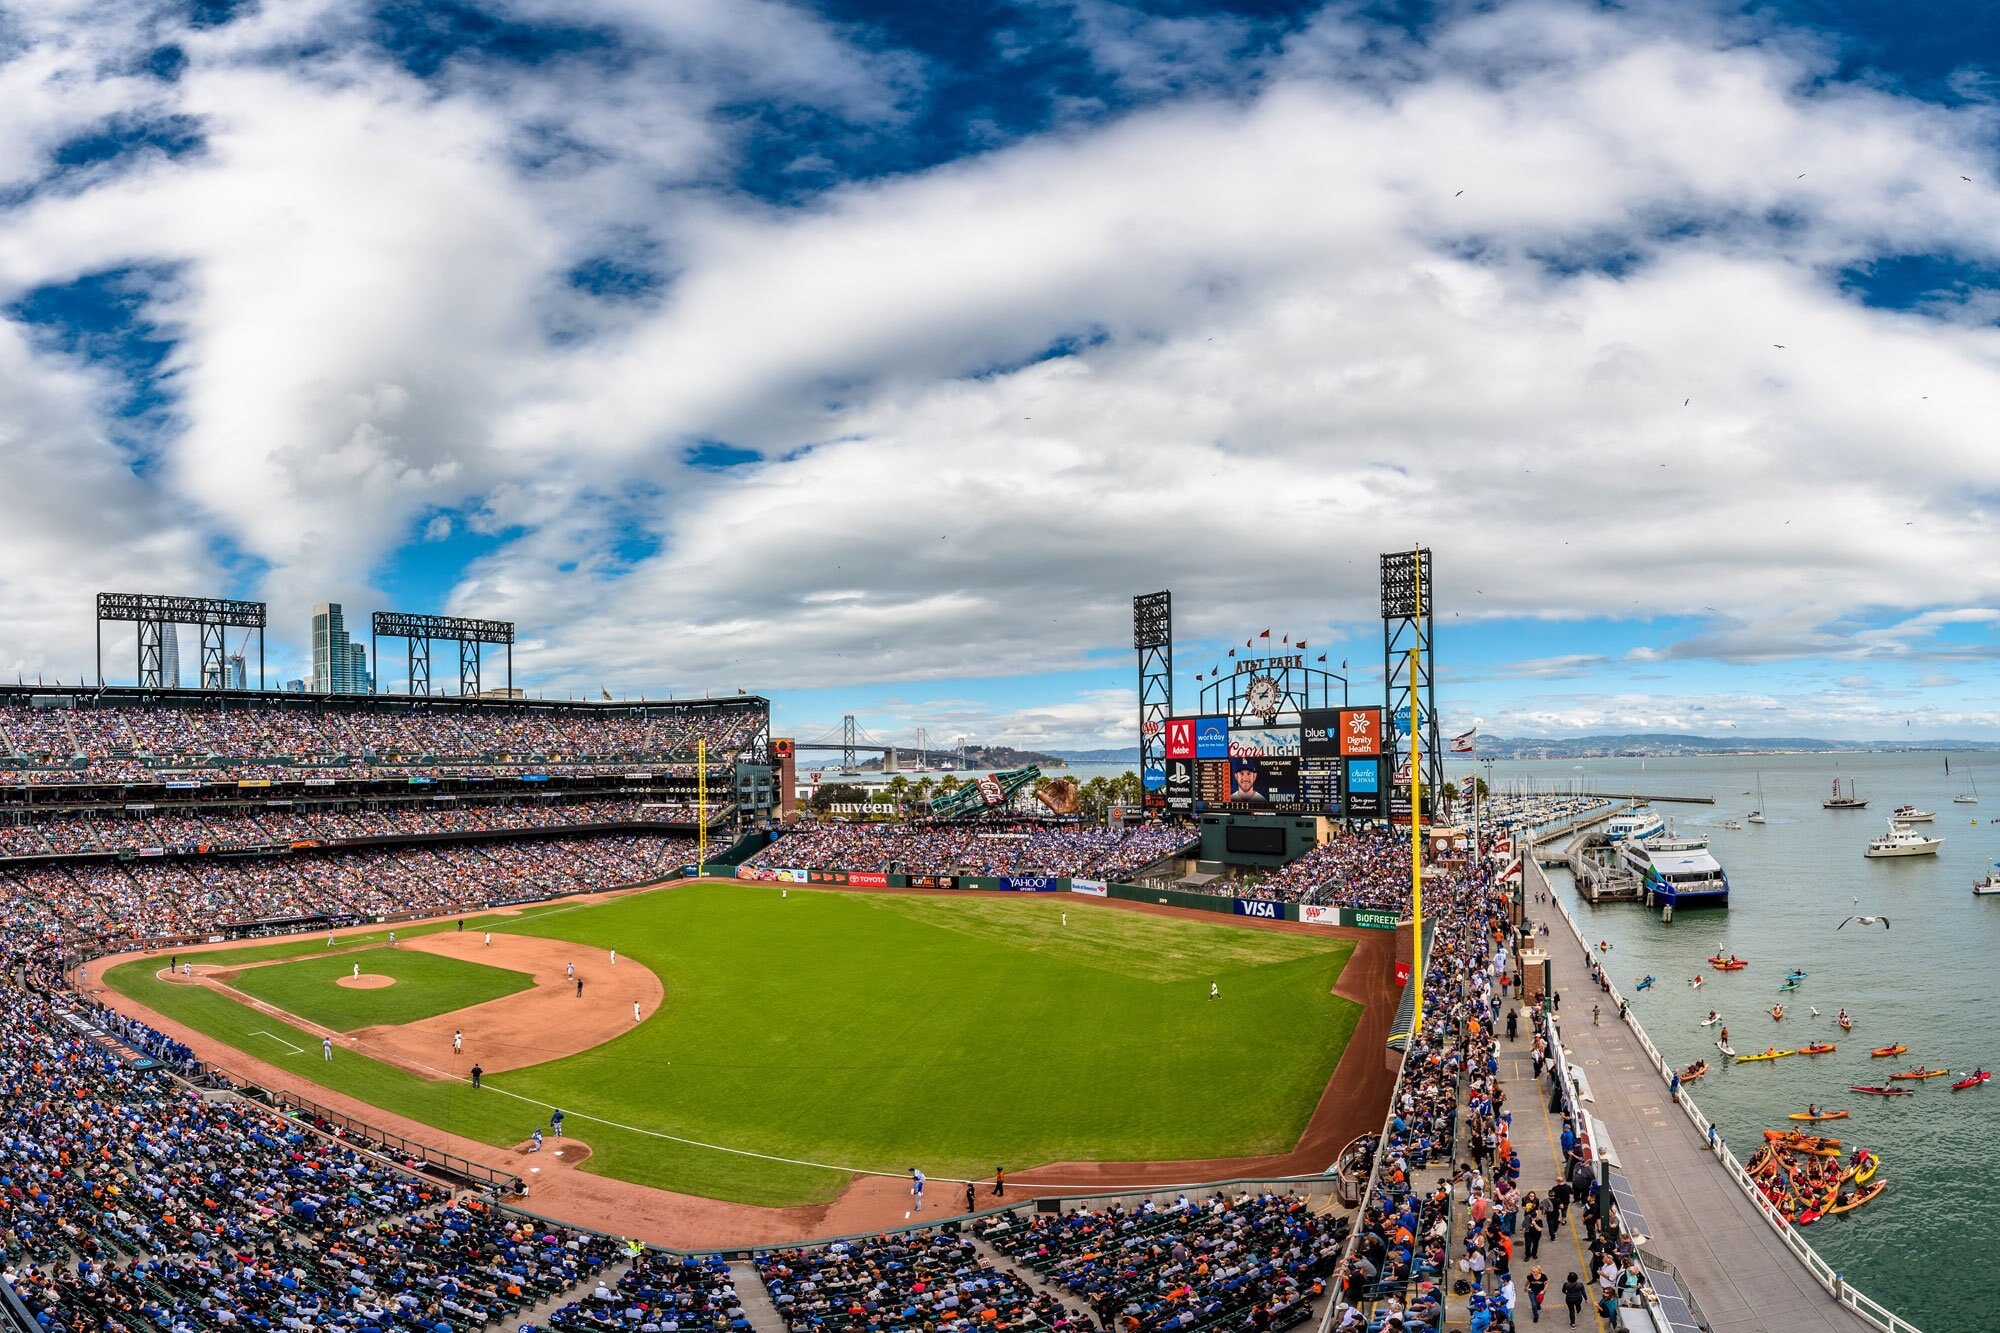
column 1851, row 801
column 1757, row 815
column 1964, row 797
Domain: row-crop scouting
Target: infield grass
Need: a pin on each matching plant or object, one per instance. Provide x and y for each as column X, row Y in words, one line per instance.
column 426, row 984
column 881, row 1031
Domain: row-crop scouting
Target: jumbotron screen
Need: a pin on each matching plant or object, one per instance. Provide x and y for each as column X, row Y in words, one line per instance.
column 1297, row 768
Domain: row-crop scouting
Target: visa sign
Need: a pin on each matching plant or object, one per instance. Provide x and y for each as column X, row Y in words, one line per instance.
column 1258, row 908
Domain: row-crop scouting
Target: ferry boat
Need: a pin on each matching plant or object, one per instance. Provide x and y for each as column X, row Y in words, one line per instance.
column 1677, row 870
column 1643, row 822
column 1902, row 840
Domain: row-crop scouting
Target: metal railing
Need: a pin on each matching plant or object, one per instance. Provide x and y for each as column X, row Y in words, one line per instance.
column 382, row 1139
column 1873, row 1311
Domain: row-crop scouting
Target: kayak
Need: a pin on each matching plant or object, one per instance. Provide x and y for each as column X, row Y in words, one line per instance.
column 1699, row 1069
column 1859, row 1197
column 1796, row 975
column 1644, row 984
column 1861, row 1176
column 1921, row 1073
column 1798, row 1138
column 1881, row 1092
column 1728, row 964
column 1881, row 1051
column 1789, row 985
column 1764, row 1055
column 1847, row 1025
column 1807, row 1115
column 1971, row 1081
column 1821, row 1048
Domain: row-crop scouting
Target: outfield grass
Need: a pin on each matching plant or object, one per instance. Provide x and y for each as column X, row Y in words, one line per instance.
column 880, row 1031
column 426, row 984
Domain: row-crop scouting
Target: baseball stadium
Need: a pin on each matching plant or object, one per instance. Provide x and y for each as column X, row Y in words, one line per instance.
column 437, row 1012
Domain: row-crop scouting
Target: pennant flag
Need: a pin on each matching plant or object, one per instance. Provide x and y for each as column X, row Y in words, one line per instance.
column 1343, row 664
column 1322, row 657
column 1232, row 652
column 1199, row 676
column 1288, row 638
column 1301, row 645
column 1265, row 635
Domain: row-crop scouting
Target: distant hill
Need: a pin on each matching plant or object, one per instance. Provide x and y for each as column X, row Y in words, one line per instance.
column 1128, row 755
column 1665, row 744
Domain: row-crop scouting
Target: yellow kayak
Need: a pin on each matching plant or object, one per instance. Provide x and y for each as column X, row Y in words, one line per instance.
column 1862, row 1176
column 1856, row 1199
column 1764, row 1055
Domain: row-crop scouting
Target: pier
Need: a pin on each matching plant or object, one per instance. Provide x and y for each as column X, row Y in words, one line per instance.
column 1748, row 1270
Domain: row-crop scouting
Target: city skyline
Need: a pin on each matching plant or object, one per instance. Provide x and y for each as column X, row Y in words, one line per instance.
column 873, row 364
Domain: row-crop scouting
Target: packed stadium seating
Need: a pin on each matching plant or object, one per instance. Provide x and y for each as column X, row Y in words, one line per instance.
column 235, row 826
column 1368, row 868
column 1184, row 1265
column 917, row 1280
column 1093, row 851
column 658, row 1291
column 118, row 741
column 107, row 901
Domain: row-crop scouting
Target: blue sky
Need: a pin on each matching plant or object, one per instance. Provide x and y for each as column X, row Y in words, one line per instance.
column 872, row 355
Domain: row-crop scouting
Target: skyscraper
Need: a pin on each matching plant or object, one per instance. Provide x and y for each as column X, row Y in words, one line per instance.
column 238, row 672
column 338, row 665
column 170, row 658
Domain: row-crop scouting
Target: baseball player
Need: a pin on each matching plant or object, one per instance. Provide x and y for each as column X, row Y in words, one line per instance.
column 457, row 1041
column 326, row 1048
column 635, row 1011
column 917, row 1188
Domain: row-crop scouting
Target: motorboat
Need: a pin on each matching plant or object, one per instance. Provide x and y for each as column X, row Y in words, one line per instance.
column 1902, row 840
column 1643, row 822
column 1730, row 824
column 1989, row 885
column 1909, row 814
column 1676, row 870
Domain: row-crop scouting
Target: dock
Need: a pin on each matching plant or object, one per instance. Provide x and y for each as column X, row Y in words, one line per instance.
column 1747, row 1273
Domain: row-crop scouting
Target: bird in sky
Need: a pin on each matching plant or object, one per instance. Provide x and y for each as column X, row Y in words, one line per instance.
column 1883, row 921
column 1456, row 195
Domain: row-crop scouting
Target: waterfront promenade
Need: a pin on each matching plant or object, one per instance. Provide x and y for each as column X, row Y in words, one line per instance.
column 1741, row 1273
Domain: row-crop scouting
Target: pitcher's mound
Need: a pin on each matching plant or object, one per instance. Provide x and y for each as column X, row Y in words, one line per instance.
column 366, row 981
column 557, row 1152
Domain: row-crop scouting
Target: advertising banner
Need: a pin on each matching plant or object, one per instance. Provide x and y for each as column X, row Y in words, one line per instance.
column 1364, row 788
column 1153, row 778
column 795, row 876
column 1360, row 734
column 932, row 881
column 1319, row 916
column 1257, row 907
column 1263, row 742
column 873, row 879
column 1376, row 918
column 1319, row 733
column 755, row 874
column 1180, row 786
column 827, row 876
column 1211, row 738
column 1096, row 888
column 1180, row 738
column 1402, row 971
column 1030, row 883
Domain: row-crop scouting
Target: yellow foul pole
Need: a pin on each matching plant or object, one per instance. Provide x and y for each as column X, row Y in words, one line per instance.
column 701, row 803
column 1417, row 818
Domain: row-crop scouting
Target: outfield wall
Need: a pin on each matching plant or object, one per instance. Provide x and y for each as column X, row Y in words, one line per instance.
column 1365, row 918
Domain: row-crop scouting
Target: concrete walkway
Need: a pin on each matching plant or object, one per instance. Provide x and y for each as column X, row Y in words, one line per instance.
column 1742, row 1275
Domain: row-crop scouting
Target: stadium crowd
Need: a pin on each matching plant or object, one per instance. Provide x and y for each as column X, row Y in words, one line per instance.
column 226, row 827
column 657, row 1294
column 1364, row 868
column 108, row 901
column 1249, row 1261
column 929, row 1280
column 130, row 1203
column 1093, row 851
column 1449, row 1093
column 128, row 742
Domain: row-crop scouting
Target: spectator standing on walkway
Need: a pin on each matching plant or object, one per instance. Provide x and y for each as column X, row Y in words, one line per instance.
column 1574, row 1294
column 1538, row 1290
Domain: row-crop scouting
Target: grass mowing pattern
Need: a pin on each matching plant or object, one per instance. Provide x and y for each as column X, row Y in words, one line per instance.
column 880, row 1031
column 426, row 984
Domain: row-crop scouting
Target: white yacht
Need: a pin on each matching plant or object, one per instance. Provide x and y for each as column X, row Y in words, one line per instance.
column 1902, row 840
column 1677, row 869
column 1909, row 814
column 1989, row 885
column 1641, row 823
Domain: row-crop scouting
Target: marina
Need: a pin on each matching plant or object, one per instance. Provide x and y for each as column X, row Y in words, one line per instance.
column 1794, row 879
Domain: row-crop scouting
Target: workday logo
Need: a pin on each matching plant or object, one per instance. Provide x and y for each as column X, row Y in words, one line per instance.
column 1211, row 738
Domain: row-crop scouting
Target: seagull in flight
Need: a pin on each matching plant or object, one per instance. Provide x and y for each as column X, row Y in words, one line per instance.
column 1882, row 921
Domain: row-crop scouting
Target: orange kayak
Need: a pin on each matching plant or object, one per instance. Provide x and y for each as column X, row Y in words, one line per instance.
column 1881, row 1051
column 1821, row 1048
column 1921, row 1072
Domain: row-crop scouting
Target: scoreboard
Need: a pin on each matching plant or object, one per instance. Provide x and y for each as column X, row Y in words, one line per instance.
column 1327, row 763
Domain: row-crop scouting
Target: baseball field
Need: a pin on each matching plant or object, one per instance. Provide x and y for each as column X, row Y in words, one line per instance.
column 786, row 1040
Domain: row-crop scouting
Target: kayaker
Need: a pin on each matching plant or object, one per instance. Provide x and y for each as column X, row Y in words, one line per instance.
column 1812, row 1109
column 1842, row 1018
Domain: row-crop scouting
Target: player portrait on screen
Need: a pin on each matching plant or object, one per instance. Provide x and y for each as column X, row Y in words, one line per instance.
column 1245, row 779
